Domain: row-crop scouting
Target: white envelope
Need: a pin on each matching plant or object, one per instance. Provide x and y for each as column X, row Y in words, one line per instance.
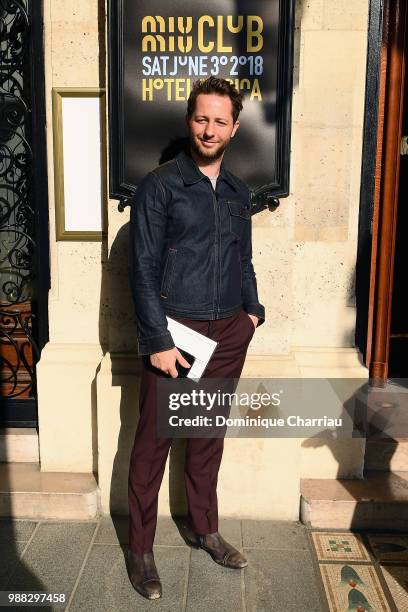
column 194, row 343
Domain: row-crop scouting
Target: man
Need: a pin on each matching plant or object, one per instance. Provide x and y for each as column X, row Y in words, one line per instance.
column 190, row 259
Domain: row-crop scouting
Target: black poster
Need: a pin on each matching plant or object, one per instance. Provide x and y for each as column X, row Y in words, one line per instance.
column 159, row 48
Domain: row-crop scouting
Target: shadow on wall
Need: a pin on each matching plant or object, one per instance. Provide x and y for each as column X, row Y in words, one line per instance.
column 126, row 375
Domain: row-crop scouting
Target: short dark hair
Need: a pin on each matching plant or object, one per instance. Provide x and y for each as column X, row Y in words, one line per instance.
column 222, row 87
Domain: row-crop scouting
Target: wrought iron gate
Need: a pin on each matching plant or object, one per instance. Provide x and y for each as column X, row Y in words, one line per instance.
column 24, row 262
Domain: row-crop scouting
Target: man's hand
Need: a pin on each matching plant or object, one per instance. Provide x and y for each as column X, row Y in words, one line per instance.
column 254, row 319
column 166, row 361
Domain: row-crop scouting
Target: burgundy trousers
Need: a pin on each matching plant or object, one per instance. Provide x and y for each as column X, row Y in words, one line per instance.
column 203, row 455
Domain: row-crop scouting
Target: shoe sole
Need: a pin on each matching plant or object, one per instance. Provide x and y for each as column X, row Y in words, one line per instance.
column 158, row 596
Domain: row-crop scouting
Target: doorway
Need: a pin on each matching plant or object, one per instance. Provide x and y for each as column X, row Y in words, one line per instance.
column 398, row 353
column 24, row 240
column 382, row 321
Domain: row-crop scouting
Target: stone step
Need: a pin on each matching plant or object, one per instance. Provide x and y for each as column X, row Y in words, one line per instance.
column 19, row 444
column 379, row 501
column 386, row 455
column 26, row 492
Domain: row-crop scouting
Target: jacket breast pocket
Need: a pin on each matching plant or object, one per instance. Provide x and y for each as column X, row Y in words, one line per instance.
column 168, row 272
column 239, row 218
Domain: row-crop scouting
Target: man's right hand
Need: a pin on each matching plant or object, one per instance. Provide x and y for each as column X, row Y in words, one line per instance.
column 166, row 361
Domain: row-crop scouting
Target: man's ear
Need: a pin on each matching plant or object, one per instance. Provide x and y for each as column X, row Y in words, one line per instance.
column 234, row 129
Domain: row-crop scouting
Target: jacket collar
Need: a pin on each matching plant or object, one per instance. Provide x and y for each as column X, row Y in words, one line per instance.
column 191, row 174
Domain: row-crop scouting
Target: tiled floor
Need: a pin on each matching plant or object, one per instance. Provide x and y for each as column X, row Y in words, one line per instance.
column 290, row 568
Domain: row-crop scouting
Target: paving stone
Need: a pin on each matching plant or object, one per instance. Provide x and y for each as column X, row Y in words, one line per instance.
column 104, row 585
column 113, row 530
column 16, row 530
column 230, row 529
column 283, row 535
column 175, row 532
column 167, row 533
column 278, row 580
column 10, row 555
column 53, row 558
column 211, row 586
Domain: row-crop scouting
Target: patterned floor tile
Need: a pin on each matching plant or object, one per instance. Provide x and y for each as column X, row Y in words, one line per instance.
column 352, row 587
column 389, row 547
column 397, row 581
column 339, row 546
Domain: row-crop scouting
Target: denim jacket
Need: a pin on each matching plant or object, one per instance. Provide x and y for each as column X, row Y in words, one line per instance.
column 190, row 250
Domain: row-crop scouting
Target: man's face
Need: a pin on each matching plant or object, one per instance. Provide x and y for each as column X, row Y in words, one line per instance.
column 211, row 126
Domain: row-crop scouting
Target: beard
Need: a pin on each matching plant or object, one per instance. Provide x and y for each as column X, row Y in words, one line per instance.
column 203, row 153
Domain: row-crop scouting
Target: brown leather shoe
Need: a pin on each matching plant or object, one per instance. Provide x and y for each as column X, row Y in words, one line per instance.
column 143, row 574
column 221, row 551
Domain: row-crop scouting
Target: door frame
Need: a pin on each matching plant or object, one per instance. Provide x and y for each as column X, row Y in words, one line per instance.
column 379, row 182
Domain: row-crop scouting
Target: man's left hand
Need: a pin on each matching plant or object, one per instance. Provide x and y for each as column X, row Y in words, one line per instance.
column 254, row 319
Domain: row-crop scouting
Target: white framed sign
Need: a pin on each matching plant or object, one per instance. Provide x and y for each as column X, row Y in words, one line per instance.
column 79, row 163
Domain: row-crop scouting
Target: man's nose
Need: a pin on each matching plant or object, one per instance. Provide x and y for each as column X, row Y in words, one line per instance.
column 209, row 130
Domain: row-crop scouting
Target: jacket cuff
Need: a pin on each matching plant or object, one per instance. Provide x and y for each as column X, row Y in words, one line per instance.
column 256, row 309
column 155, row 344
